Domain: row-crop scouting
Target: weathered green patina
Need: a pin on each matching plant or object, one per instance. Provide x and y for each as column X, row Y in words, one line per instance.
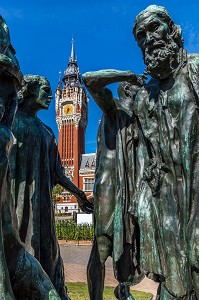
column 6, row 47
column 21, row 276
column 8, row 102
column 35, row 169
column 164, row 201
column 114, row 182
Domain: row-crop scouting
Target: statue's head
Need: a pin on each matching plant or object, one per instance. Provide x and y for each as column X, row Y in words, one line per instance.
column 10, row 76
column 159, row 39
column 36, row 89
column 6, row 47
column 10, row 83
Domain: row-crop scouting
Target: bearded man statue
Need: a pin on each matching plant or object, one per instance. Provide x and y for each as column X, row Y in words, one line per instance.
column 165, row 203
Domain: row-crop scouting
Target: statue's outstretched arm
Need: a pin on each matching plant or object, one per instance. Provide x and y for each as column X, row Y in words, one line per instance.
column 98, row 80
column 61, row 179
column 84, row 204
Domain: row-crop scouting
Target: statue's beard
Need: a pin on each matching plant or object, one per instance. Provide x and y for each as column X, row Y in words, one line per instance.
column 161, row 59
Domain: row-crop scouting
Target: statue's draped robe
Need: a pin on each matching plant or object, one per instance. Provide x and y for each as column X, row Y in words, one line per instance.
column 9, row 235
column 27, row 278
column 35, row 169
column 114, row 186
column 168, row 215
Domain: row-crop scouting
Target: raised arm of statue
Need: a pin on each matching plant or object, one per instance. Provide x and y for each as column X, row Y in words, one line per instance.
column 84, row 204
column 62, row 180
column 96, row 82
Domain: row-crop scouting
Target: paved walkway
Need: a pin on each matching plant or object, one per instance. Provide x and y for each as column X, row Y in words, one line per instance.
column 75, row 259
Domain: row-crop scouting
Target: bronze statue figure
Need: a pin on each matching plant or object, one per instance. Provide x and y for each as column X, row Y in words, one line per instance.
column 36, row 168
column 114, row 182
column 6, row 47
column 166, row 200
column 21, row 276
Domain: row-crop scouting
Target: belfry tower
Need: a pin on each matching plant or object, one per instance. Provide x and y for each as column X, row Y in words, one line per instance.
column 71, row 117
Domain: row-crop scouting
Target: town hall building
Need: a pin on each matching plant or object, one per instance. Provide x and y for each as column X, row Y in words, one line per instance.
column 72, row 117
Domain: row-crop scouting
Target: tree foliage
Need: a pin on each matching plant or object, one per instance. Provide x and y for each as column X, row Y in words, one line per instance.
column 57, row 190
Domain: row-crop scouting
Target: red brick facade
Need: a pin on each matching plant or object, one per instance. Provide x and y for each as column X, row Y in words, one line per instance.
column 71, row 117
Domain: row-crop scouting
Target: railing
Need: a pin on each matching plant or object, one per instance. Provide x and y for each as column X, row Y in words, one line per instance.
column 69, row 230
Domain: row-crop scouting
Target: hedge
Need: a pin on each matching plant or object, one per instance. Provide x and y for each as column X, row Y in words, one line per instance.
column 69, row 230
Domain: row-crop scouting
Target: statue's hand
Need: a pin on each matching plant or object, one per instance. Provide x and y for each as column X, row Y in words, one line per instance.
column 138, row 80
column 84, row 204
column 141, row 80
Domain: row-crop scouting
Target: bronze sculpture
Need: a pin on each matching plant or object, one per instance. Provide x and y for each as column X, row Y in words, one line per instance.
column 6, row 47
column 164, row 203
column 21, row 276
column 114, row 183
column 36, row 168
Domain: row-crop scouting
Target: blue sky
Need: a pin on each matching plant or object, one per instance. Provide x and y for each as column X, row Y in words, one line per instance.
column 41, row 32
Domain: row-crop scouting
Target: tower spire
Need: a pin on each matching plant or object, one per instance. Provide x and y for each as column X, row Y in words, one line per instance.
column 71, row 117
column 71, row 74
column 59, row 82
column 72, row 58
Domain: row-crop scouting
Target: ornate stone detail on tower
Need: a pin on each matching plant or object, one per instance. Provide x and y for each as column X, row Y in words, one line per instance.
column 69, row 172
column 71, row 117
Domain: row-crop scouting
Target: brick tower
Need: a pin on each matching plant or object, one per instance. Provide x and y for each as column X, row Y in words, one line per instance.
column 71, row 117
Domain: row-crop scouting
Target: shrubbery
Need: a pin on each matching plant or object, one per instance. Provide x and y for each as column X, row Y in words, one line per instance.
column 65, row 214
column 69, row 230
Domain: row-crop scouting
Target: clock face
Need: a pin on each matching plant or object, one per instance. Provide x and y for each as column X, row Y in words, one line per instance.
column 68, row 109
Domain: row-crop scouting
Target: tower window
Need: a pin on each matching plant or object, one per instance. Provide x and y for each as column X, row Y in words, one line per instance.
column 88, row 184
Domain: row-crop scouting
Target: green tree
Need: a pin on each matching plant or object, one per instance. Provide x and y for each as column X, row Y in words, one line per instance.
column 57, row 190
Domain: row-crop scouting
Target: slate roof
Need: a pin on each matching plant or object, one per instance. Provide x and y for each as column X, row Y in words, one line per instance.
column 88, row 162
